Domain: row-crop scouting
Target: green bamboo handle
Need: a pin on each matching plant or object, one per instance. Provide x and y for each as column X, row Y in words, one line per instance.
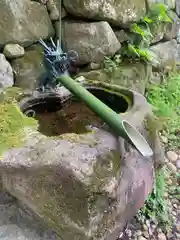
column 121, row 127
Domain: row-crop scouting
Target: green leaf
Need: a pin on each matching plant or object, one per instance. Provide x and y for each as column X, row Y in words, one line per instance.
column 147, row 20
column 137, row 29
column 132, row 49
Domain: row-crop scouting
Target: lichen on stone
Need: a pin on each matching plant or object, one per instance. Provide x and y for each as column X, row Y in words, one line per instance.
column 12, row 120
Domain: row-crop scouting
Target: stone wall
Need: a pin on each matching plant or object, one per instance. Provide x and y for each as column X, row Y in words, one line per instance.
column 95, row 29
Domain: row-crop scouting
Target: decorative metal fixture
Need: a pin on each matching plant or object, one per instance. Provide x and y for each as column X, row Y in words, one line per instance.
column 57, row 62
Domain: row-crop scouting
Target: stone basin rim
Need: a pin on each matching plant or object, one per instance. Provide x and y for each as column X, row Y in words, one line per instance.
column 29, row 102
column 132, row 134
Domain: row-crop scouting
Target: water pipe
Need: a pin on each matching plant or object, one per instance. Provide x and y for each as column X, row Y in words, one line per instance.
column 59, row 63
column 121, row 127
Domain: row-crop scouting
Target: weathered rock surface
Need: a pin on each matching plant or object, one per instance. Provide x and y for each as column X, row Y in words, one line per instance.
column 172, row 28
column 92, row 41
column 178, row 7
column 166, row 30
column 23, row 22
column 134, row 76
column 30, row 70
column 53, row 7
column 167, row 53
column 85, row 186
column 158, row 32
column 121, row 35
column 17, row 222
column 116, row 12
column 13, row 51
column 6, row 73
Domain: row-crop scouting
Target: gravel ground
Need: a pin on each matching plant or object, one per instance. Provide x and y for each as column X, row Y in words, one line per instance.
column 147, row 229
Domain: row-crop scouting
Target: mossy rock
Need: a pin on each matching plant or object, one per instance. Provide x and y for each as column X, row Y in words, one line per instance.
column 30, row 70
column 118, row 13
column 83, row 185
column 165, row 30
column 158, row 31
column 133, row 76
column 12, row 120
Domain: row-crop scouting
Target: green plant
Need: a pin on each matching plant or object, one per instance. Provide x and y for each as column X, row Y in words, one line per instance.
column 174, row 191
column 142, row 53
column 140, row 34
column 165, row 99
column 111, row 64
column 157, row 13
column 156, row 206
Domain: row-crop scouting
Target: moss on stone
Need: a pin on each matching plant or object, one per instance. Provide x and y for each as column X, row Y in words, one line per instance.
column 85, row 138
column 12, row 121
column 133, row 76
column 122, row 92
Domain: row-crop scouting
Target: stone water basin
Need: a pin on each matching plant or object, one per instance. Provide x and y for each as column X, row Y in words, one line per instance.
column 74, row 172
column 57, row 117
